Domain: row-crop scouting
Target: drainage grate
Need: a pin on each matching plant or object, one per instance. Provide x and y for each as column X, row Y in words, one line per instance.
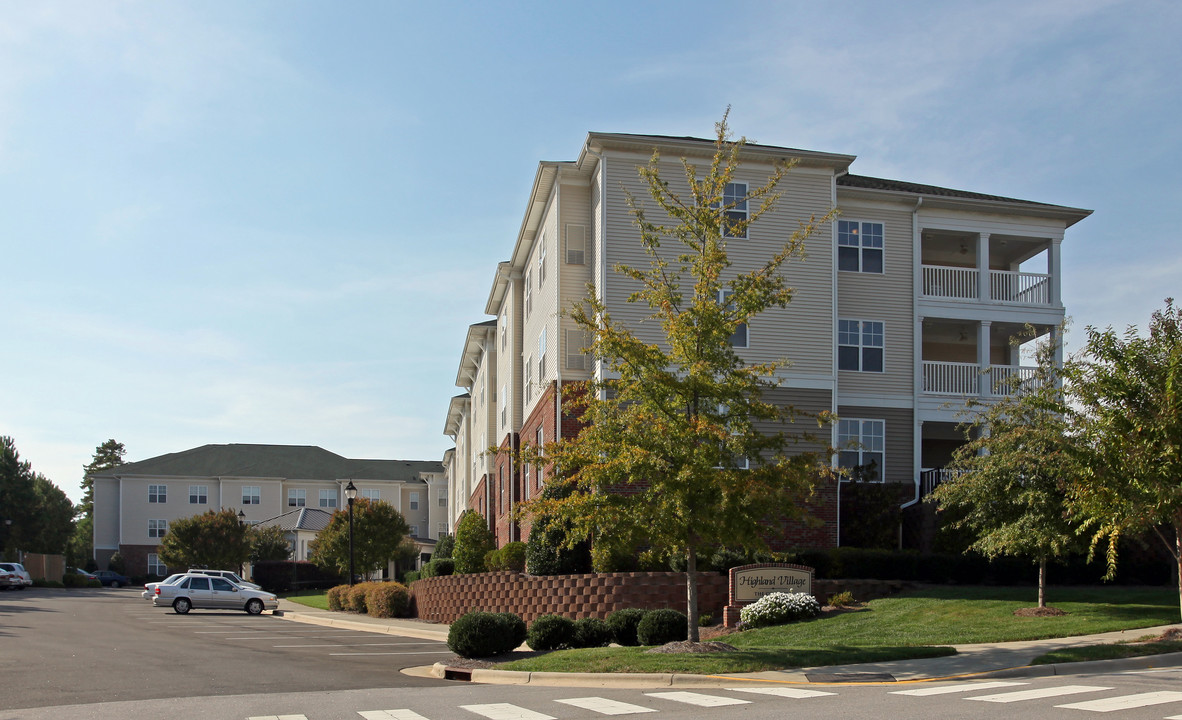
column 457, row 674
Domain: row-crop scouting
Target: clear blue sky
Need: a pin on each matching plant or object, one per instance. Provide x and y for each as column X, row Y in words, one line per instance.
column 272, row 222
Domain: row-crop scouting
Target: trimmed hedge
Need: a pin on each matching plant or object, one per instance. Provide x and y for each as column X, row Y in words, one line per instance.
column 387, row 599
column 658, row 627
column 484, row 634
column 336, row 597
column 438, row 567
column 623, row 624
column 551, row 632
column 592, row 632
column 354, row 599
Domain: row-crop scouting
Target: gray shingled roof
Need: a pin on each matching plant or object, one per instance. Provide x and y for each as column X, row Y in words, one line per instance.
column 296, row 462
column 873, row 183
column 304, row 518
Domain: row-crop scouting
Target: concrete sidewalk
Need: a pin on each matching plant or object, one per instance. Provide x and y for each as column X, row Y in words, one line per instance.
column 996, row 660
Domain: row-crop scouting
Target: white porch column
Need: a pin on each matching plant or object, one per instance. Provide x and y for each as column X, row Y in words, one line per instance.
column 983, row 267
column 1055, row 270
column 986, row 384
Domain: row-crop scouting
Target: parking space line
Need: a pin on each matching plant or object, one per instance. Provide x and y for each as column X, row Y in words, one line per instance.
column 385, row 644
column 417, row 652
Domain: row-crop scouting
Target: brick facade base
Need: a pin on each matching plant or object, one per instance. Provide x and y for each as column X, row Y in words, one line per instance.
column 444, row 599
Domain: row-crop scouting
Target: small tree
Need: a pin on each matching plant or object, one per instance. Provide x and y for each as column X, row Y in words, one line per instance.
column 268, row 543
column 444, row 547
column 682, row 451
column 473, row 541
column 1129, row 389
column 1015, row 469
column 378, row 530
column 215, row 539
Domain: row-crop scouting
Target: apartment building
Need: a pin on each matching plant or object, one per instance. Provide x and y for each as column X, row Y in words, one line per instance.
column 904, row 307
column 135, row 503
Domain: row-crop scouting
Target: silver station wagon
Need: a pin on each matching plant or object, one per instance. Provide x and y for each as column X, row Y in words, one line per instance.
column 206, row 592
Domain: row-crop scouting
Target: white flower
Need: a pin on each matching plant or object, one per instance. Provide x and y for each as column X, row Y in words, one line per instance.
column 779, row 608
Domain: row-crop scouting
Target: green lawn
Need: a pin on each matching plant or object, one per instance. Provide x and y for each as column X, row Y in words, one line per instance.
column 915, row 624
column 312, row 598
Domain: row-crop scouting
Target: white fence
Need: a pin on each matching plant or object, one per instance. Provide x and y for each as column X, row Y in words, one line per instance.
column 958, row 283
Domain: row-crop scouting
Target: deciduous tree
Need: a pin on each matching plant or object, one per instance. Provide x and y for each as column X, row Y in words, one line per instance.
column 268, row 543
column 1129, row 389
column 473, row 541
column 378, row 529
column 215, row 539
column 683, row 452
column 1015, row 470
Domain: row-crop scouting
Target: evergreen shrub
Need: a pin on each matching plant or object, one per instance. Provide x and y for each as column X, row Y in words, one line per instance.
column 591, row 632
column 658, row 627
column 623, row 624
column 551, row 632
column 515, row 630
column 484, row 634
column 387, row 599
column 336, row 597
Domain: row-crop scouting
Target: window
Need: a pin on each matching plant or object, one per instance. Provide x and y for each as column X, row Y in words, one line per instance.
column 538, row 438
column 542, row 355
column 504, row 329
column 542, row 262
column 221, row 584
column 740, row 462
column 414, row 530
column 441, row 529
column 157, row 493
column 414, row 500
column 859, row 246
column 201, row 583
column 859, row 345
column 328, row 498
column 297, row 497
column 576, row 244
column 529, row 376
column 739, row 337
column 251, row 495
column 578, row 345
column 734, row 212
column 503, row 405
column 529, row 294
column 861, row 447
column 155, row 567
column 198, row 494
column 157, row 528
column 371, row 494
column 501, row 487
column 442, row 497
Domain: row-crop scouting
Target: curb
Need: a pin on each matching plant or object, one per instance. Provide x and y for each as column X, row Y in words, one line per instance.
column 400, row 630
column 1143, row 662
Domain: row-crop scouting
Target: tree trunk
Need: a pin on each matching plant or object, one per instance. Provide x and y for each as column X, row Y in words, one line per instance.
column 1178, row 556
column 1042, row 582
column 691, row 595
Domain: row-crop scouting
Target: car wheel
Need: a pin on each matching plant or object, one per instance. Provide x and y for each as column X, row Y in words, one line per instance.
column 254, row 607
column 181, row 605
column 116, row 584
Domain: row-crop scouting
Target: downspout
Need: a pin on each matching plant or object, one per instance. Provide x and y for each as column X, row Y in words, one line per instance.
column 559, row 357
column 917, row 354
column 601, row 249
column 833, row 340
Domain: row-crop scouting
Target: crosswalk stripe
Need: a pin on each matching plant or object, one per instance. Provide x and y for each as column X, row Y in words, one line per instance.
column 1127, row 702
column 505, row 711
column 605, row 706
column 390, row 715
column 691, row 698
column 963, row 687
column 782, row 691
column 1038, row 693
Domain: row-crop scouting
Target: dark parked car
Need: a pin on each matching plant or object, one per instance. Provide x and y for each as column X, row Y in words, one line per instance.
column 110, row 578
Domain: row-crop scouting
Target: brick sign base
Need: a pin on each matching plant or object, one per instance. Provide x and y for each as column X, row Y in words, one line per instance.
column 748, row 583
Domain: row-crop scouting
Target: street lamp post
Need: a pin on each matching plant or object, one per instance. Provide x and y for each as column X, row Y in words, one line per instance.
column 350, row 495
column 242, row 523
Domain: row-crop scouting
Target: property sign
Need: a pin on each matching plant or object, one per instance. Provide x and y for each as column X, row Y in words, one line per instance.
column 751, row 582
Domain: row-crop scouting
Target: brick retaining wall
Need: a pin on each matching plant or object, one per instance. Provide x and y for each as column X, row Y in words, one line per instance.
column 443, row 599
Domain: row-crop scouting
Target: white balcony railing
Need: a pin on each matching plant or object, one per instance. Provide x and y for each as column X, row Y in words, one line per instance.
column 954, row 378
column 1020, row 287
column 930, row 479
column 950, row 282
column 959, row 283
column 951, row 378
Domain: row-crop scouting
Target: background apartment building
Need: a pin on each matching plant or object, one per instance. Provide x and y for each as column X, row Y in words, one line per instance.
column 135, row 503
column 904, row 306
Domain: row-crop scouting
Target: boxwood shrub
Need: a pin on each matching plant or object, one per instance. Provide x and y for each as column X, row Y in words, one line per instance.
column 592, row 632
column 551, row 632
column 484, row 634
column 623, row 624
column 662, row 626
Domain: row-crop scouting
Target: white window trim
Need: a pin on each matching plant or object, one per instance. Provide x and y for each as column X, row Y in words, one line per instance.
column 529, row 296
column 160, row 529
column 252, row 495
column 576, row 251
column 860, row 346
column 299, row 495
column 861, row 448
column 159, row 492
column 542, row 261
column 413, row 500
column 327, row 499
column 371, row 494
column 861, row 246
column 724, row 300
column 542, row 356
column 201, row 492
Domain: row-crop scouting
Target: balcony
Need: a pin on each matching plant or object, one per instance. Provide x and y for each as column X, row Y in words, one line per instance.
column 965, row 379
column 1009, row 286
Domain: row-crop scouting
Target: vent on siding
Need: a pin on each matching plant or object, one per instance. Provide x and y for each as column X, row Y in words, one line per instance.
column 576, row 244
column 577, row 354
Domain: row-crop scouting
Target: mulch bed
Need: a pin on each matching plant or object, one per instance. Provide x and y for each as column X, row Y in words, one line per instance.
column 1039, row 612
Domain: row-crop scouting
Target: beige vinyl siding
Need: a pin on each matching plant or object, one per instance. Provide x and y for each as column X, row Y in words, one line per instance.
column 809, row 401
column 887, row 297
column 576, row 204
column 802, row 332
column 272, row 499
column 899, row 427
column 543, row 313
column 106, row 513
